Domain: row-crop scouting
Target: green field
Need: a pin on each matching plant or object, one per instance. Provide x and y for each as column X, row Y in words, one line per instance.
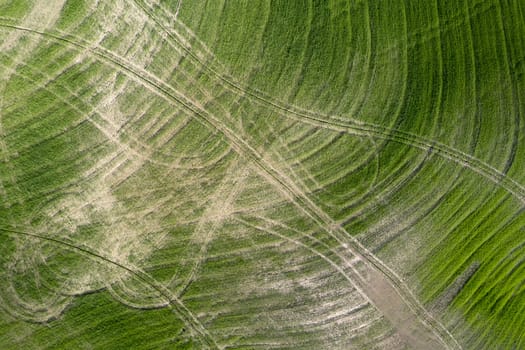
column 257, row 174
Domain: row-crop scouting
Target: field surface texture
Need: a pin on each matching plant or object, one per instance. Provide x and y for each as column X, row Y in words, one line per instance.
column 256, row 174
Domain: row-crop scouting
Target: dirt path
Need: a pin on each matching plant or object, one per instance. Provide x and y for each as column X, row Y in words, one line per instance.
column 411, row 316
column 399, row 312
column 372, row 285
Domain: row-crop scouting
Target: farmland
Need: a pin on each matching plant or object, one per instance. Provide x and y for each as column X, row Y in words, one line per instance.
column 340, row 174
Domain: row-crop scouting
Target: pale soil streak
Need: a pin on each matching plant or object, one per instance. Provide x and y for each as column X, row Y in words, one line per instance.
column 178, row 9
column 401, row 293
column 376, row 290
column 220, row 209
column 352, row 276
